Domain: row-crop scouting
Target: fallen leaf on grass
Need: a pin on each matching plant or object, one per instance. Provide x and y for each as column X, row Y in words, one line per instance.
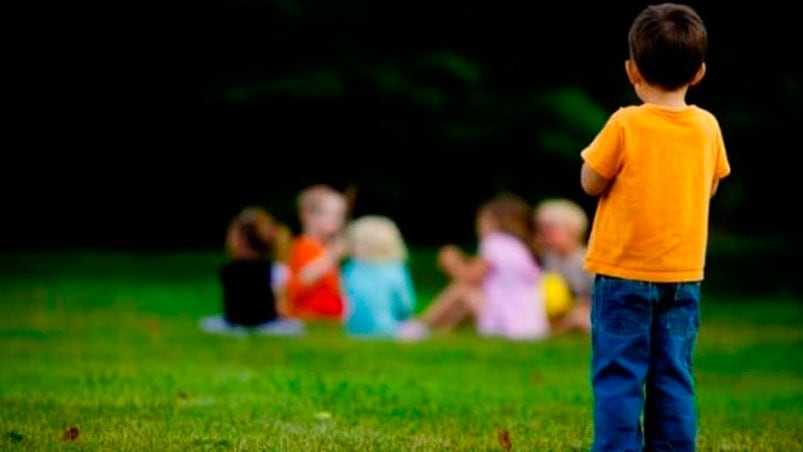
column 71, row 434
column 504, row 439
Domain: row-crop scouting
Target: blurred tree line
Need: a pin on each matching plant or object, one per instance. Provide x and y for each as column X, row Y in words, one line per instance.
column 427, row 108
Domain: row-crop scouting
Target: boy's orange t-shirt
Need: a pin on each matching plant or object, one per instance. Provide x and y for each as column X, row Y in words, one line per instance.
column 321, row 299
column 651, row 224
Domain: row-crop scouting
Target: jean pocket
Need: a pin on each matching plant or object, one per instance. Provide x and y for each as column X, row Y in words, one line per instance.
column 682, row 318
column 623, row 307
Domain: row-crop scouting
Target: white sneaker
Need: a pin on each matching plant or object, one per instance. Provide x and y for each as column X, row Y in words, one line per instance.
column 281, row 327
column 216, row 324
column 412, row 330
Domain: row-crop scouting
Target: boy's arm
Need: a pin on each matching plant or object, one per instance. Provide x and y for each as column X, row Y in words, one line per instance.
column 593, row 183
column 317, row 268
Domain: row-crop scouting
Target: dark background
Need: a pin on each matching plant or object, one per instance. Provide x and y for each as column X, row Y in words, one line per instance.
column 149, row 129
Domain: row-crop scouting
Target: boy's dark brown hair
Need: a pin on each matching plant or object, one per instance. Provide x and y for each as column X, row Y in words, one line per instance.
column 668, row 42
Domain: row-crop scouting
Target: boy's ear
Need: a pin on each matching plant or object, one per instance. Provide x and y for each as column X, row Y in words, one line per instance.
column 698, row 76
column 632, row 72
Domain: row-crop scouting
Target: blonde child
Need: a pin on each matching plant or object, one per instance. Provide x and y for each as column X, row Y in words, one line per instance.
column 378, row 288
column 251, row 280
column 313, row 289
column 561, row 227
column 497, row 286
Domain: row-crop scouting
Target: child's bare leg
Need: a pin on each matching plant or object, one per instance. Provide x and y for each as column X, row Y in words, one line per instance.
column 474, row 299
column 451, row 306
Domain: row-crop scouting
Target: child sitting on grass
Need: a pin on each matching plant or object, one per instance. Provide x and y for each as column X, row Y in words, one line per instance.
column 313, row 290
column 497, row 287
column 378, row 288
column 251, row 280
column 561, row 226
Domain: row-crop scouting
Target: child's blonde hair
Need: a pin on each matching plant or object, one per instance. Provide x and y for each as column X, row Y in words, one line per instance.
column 375, row 237
column 565, row 213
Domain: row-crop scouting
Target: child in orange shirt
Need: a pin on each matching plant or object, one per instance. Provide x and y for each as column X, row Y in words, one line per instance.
column 313, row 289
column 655, row 167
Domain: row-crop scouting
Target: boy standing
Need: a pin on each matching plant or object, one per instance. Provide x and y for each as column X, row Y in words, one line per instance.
column 655, row 167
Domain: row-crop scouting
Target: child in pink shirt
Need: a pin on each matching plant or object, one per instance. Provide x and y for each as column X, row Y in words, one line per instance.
column 497, row 286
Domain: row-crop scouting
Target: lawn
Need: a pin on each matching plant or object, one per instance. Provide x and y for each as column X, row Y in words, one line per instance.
column 101, row 351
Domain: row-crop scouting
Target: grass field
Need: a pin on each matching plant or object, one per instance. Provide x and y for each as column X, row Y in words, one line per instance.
column 101, row 351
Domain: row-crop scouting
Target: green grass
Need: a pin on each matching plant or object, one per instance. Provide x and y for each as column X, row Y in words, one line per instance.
column 107, row 343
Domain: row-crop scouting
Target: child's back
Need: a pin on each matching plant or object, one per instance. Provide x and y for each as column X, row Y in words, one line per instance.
column 655, row 167
column 377, row 285
column 248, row 298
column 380, row 296
column 653, row 223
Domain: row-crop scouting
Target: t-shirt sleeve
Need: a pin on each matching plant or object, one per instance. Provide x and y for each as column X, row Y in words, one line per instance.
column 604, row 154
column 723, row 167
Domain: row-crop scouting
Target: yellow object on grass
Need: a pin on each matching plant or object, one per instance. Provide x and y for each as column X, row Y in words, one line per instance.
column 556, row 293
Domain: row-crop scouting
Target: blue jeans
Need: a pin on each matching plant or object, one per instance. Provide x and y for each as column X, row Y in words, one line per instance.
column 642, row 339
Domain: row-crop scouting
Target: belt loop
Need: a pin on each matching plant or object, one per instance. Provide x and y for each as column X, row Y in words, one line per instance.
column 677, row 287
